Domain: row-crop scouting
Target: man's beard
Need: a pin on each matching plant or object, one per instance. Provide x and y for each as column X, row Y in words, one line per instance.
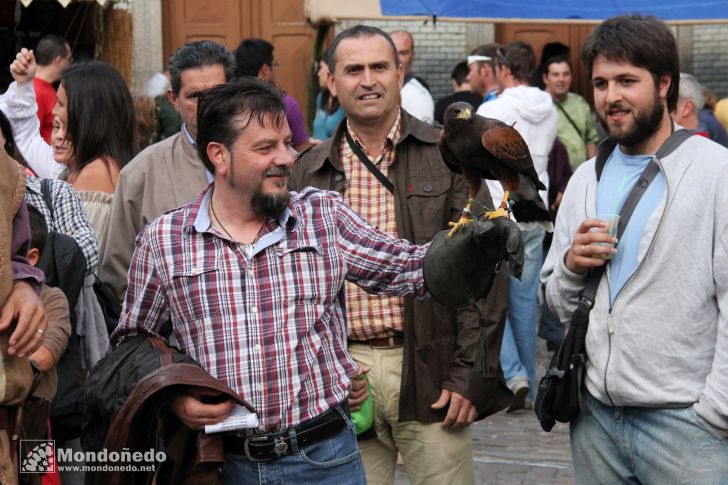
column 270, row 206
column 645, row 124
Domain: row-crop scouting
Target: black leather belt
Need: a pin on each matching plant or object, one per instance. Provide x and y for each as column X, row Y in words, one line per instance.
column 390, row 342
column 267, row 447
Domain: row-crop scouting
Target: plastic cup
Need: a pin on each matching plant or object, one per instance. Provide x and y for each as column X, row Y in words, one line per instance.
column 612, row 221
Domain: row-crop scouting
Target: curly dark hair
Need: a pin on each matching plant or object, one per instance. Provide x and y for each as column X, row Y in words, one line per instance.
column 643, row 41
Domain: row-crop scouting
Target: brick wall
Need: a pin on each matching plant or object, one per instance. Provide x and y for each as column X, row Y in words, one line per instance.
column 710, row 57
column 439, row 47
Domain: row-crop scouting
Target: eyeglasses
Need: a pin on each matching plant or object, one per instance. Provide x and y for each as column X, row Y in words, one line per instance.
column 501, row 57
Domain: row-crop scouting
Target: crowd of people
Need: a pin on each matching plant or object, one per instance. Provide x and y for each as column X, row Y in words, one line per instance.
column 289, row 266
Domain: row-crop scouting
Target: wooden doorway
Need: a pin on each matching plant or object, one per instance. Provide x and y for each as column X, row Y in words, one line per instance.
column 281, row 22
column 540, row 34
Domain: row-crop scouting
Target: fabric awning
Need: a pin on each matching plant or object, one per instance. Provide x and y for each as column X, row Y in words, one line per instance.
column 66, row 2
column 327, row 11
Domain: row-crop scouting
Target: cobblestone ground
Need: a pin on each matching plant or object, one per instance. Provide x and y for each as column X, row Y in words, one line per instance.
column 511, row 449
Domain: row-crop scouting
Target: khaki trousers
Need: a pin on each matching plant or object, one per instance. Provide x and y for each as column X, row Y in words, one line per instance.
column 432, row 455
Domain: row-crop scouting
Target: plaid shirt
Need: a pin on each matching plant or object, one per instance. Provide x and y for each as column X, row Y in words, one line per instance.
column 69, row 216
column 371, row 316
column 267, row 320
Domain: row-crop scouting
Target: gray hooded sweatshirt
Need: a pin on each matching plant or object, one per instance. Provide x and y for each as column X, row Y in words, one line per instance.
column 664, row 342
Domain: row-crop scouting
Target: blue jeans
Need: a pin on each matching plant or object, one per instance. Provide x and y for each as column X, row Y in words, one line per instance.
column 618, row 445
column 333, row 461
column 518, row 350
column 550, row 328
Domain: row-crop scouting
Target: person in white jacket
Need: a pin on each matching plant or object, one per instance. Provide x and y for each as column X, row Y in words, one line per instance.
column 535, row 118
column 657, row 340
column 415, row 98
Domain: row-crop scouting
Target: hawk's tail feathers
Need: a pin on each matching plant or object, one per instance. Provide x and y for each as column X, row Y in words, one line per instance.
column 527, row 226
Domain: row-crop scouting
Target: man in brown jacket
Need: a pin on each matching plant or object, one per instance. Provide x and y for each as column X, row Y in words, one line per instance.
column 22, row 317
column 421, row 353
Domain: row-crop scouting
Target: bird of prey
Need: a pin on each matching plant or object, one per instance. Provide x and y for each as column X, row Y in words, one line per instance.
column 480, row 147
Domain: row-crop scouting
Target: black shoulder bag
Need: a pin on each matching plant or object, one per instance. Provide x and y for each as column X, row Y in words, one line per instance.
column 560, row 391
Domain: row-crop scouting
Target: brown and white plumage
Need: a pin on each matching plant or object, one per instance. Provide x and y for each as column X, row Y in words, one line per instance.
column 480, row 147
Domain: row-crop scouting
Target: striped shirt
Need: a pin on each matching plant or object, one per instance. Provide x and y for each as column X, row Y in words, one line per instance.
column 371, row 316
column 266, row 319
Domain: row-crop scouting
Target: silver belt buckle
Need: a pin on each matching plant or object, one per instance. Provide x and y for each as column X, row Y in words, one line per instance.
column 246, row 449
column 281, row 447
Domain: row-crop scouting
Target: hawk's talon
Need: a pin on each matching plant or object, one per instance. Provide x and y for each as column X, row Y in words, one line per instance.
column 501, row 212
column 504, row 210
column 458, row 225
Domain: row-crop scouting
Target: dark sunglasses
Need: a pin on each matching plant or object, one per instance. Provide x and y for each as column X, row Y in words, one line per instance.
column 501, row 57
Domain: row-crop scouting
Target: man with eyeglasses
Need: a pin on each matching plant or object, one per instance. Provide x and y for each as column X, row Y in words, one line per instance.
column 532, row 113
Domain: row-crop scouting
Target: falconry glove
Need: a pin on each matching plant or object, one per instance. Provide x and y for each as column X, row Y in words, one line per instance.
column 460, row 269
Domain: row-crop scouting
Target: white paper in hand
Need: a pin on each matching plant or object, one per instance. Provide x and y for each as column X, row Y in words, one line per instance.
column 240, row 418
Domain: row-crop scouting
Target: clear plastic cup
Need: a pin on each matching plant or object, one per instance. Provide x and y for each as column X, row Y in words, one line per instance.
column 612, row 221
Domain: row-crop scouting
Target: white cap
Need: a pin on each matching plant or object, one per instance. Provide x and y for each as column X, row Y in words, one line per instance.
column 156, row 85
column 472, row 59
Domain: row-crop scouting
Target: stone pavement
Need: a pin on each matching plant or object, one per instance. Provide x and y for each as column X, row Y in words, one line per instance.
column 511, row 449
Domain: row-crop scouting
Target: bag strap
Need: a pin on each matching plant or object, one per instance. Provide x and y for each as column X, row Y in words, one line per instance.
column 561, row 108
column 356, row 148
column 45, row 190
column 586, row 300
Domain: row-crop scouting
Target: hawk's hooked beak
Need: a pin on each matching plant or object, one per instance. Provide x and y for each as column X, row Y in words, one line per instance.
column 465, row 114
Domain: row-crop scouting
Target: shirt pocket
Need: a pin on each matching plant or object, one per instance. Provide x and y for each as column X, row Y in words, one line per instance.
column 427, row 200
column 197, row 291
column 310, row 272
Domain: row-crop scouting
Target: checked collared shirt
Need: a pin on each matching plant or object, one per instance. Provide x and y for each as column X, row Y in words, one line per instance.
column 267, row 319
column 371, row 316
column 69, row 216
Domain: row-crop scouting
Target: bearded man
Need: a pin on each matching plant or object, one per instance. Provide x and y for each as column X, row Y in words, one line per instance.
column 657, row 341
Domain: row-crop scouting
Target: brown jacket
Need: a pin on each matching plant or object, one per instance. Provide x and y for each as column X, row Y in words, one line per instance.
column 15, row 376
column 12, row 189
column 164, row 176
column 145, row 420
column 440, row 341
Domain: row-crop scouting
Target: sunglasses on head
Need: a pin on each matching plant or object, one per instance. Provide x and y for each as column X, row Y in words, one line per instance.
column 501, row 57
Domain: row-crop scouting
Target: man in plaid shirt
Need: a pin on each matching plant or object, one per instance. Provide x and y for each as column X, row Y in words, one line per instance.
column 252, row 276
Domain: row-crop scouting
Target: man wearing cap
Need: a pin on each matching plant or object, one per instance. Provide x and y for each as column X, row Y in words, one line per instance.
column 481, row 75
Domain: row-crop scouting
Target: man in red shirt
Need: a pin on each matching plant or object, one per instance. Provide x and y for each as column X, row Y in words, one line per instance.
column 53, row 55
